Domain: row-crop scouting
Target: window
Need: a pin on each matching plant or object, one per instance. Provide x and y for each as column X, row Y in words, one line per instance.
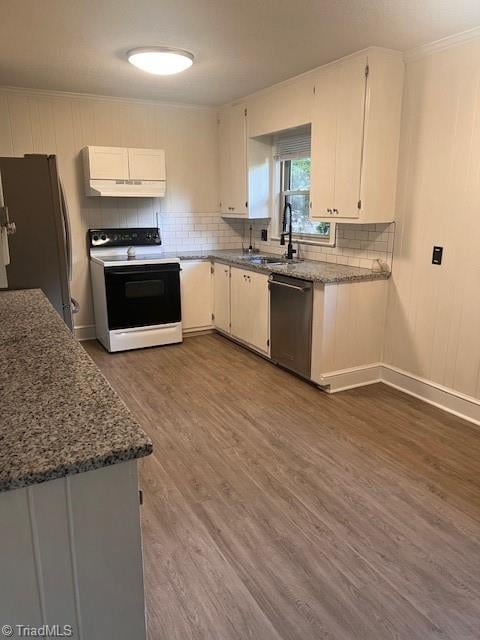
column 292, row 155
column 295, row 190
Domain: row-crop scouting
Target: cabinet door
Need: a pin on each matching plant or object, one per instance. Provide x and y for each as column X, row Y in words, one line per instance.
column 324, row 132
column 258, row 318
column 108, row 163
column 350, row 108
column 238, row 159
column 221, row 297
column 239, row 304
column 233, row 160
column 224, row 150
column 146, row 164
column 250, row 308
column 196, row 290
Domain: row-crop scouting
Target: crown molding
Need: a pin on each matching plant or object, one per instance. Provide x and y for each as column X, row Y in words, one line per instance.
column 93, row 97
column 454, row 40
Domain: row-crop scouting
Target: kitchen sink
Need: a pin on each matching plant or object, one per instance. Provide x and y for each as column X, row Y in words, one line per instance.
column 265, row 260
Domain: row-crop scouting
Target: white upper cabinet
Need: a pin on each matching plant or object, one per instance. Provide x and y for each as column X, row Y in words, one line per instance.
column 108, row 163
column 355, row 136
column 233, row 161
column 122, row 172
column 146, row 164
column 285, row 106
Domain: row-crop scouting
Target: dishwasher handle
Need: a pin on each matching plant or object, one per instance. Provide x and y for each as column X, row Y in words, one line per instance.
column 288, row 286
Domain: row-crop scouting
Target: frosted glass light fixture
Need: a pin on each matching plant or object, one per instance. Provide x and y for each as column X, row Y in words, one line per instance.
column 161, row 61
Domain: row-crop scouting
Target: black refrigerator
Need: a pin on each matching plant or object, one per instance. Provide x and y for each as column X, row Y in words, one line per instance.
column 39, row 242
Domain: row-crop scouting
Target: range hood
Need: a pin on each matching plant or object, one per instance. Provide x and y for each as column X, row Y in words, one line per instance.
column 127, row 188
column 124, row 172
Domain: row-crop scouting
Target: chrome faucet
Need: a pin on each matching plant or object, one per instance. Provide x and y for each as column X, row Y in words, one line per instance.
column 290, row 250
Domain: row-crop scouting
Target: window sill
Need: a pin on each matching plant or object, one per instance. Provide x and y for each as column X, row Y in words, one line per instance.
column 331, row 242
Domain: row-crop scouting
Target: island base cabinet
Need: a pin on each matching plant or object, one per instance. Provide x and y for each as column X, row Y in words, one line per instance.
column 71, row 555
column 347, row 333
column 221, row 297
column 249, row 306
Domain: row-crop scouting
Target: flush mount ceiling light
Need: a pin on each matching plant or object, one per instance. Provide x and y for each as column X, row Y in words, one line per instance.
column 162, row 61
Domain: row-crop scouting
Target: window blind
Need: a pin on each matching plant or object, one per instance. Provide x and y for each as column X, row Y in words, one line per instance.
column 293, row 143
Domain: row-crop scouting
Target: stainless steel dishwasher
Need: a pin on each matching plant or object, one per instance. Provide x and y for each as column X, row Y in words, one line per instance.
column 291, row 305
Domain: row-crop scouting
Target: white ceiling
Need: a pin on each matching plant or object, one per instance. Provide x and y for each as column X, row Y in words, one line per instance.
column 240, row 45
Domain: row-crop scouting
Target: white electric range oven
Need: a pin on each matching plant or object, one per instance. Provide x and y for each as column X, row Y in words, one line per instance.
column 136, row 290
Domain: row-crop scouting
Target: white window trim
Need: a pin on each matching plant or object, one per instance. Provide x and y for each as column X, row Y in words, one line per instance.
column 278, row 197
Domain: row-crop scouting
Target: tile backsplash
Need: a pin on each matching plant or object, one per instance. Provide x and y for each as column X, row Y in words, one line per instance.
column 356, row 245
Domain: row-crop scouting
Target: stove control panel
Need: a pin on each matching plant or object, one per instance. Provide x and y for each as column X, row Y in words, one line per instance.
column 134, row 237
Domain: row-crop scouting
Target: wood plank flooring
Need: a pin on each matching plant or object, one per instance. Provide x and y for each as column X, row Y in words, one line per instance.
column 273, row 511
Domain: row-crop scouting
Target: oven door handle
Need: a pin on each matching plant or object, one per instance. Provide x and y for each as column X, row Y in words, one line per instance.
column 142, row 273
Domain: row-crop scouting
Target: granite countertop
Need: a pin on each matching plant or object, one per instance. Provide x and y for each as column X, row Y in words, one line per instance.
column 316, row 271
column 59, row 416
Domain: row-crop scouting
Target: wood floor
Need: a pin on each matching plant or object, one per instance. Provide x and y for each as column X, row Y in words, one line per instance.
column 275, row 511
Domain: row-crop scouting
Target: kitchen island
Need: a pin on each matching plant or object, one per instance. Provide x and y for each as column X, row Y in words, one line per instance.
column 69, row 502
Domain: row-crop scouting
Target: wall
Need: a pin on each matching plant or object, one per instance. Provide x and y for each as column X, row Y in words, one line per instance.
column 42, row 122
column 433, row 318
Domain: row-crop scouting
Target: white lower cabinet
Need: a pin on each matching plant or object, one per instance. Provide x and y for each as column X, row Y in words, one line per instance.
column 347, row 333
column 221, row 297
column 249, row 308
column 197, row 295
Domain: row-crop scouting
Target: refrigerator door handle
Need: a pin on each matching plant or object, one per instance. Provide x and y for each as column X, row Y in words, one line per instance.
column 67, row 230
column 74, row 305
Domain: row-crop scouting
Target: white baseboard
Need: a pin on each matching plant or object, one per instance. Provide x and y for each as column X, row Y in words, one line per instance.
column 201, row 331
column 459, row 404
column 344, row 379
column 85, row 332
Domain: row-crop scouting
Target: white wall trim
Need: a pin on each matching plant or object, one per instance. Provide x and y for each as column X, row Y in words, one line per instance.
column 344, row 379
column 440, row 45
column 84, row 332
column 455, row 402
column 445, row 398
column 72, row 95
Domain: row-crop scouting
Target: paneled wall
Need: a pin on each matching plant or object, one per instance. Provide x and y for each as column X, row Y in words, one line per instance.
column 63, row 124
column 433, row 320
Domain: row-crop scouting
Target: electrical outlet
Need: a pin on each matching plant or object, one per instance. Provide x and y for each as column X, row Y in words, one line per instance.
column 264, row 235
column 437, row 255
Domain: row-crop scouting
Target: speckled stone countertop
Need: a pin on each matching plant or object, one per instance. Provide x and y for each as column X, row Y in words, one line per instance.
column 58, row 414
column 316, row 271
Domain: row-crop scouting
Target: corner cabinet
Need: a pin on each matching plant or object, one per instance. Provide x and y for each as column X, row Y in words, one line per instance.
column 249, row 308
column 232, row 131
column 355, row 137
